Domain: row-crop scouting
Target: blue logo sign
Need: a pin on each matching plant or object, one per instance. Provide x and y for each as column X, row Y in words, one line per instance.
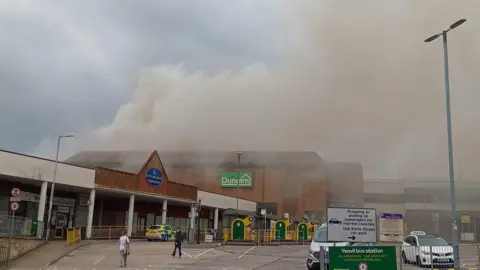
column 154, row 177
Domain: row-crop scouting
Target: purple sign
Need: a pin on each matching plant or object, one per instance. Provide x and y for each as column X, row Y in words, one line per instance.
column 391, row 216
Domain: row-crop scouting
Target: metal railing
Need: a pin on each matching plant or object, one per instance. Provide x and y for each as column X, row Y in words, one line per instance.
column 267, row 237
column 21, row 226
column 406, row 257
column 114, row 232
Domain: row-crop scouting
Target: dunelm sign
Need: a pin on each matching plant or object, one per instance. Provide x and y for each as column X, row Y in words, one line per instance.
column 236, row 180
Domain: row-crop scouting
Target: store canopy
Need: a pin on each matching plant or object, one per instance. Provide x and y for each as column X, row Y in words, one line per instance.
column 245, row 213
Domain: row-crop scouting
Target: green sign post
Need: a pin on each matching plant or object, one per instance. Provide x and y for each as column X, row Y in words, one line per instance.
column 236, row 180
column 363, row 258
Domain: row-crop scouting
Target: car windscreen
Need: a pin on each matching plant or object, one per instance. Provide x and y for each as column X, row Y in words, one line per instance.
column 154, row 227
column 320, row 235
column 431, row 240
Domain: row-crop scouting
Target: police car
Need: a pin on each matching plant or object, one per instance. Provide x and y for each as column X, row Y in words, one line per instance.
column 424, row 249
column 160, row 232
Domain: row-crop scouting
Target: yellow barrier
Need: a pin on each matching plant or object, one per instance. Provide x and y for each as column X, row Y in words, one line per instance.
column 73, row 236
column 290, row 235
column 226, row 235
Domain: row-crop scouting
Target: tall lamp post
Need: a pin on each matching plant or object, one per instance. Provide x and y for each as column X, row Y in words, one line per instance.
column 49, row 219
column 239, row 155
column 443, row 34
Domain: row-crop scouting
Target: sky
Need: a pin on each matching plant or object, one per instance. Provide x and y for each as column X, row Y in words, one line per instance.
column 351, row 80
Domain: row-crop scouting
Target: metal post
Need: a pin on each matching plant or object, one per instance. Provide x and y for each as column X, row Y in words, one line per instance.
column 50, row 205
column 456, row 252
column 321, row 260
column 12, row 225
column 400, row 259
column 198, row 228
column 238, row 173
column 478, row 255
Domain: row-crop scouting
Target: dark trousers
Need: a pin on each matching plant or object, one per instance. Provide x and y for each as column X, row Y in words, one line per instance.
column 179, row 246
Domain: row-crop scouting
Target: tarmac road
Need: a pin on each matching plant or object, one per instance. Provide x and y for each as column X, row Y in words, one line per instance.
column 156, row 255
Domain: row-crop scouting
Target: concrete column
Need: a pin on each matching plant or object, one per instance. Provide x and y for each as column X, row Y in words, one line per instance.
column 41, row 208
column 192, row 218
column 215, row 220
column 91, row 206
column 131, row 205
column 100, row 214
column 164, row 212
column 43, row 201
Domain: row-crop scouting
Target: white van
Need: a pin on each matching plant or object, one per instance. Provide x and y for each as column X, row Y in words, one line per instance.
column 320, row 240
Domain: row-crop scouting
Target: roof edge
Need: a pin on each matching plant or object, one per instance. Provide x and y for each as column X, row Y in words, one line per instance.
column 46, row 159
column 148, row 160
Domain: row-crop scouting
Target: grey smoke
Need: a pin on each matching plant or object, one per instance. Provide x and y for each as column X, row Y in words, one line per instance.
column 357, row 84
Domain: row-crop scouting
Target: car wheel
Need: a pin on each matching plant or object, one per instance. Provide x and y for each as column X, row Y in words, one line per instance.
column 404, row 257
column 419, row 262
column 149, row 240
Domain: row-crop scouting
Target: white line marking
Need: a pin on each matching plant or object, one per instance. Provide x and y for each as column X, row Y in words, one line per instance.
column 246, row 252
column 99, row 260
column 200, row 254
column 186, row 254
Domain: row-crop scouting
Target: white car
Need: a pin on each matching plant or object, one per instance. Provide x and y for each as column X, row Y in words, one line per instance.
column 320, row 240
column 424, row 249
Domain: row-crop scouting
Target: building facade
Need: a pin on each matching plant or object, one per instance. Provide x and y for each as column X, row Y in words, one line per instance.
column 425, row 204
column 132, row 190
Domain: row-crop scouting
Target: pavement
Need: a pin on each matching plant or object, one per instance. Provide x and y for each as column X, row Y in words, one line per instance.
column 44, row 255
column 99, row 255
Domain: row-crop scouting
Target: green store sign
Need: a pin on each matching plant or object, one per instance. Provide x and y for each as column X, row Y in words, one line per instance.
column 236, row 180
column 362, row 258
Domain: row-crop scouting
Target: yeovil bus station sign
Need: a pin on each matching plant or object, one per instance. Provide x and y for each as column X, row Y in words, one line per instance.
column 236, row 180
column 363, row 258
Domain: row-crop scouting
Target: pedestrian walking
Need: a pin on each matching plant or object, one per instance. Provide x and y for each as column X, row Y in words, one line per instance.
column 124, row 249
column 178, row 243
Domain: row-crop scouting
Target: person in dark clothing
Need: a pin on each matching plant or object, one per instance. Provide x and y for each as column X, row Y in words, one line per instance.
column 178, row 243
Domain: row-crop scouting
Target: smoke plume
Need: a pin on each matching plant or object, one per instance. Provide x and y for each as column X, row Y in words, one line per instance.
column 357, row 84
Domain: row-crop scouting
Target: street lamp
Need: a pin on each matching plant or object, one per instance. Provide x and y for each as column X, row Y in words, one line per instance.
column 239, row 154
column 53, row 185
column 456, row 252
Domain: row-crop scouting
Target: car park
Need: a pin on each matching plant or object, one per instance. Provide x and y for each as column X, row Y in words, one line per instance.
column 159, row 232
column 426, row 249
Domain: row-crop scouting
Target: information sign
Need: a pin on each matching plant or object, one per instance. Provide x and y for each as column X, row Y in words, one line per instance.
column 351, row 225
column 363, row 258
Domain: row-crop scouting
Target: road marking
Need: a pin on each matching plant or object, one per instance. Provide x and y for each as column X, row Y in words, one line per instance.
column 187, row 254
column 99, row 260
column 200, row 254
column 246, row 252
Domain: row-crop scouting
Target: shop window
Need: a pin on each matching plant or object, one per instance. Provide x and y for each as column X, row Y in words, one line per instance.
column 4, row 205
column 177, row 222
column 170, row 220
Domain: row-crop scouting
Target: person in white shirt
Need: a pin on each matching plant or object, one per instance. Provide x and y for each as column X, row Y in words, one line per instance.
column 124, row 249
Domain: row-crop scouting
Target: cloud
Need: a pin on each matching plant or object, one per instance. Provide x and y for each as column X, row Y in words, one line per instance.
column 70, row 65
column 356, row 83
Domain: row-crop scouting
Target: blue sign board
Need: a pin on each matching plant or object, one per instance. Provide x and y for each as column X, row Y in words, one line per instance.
column 154, row 177
column 391, row 216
